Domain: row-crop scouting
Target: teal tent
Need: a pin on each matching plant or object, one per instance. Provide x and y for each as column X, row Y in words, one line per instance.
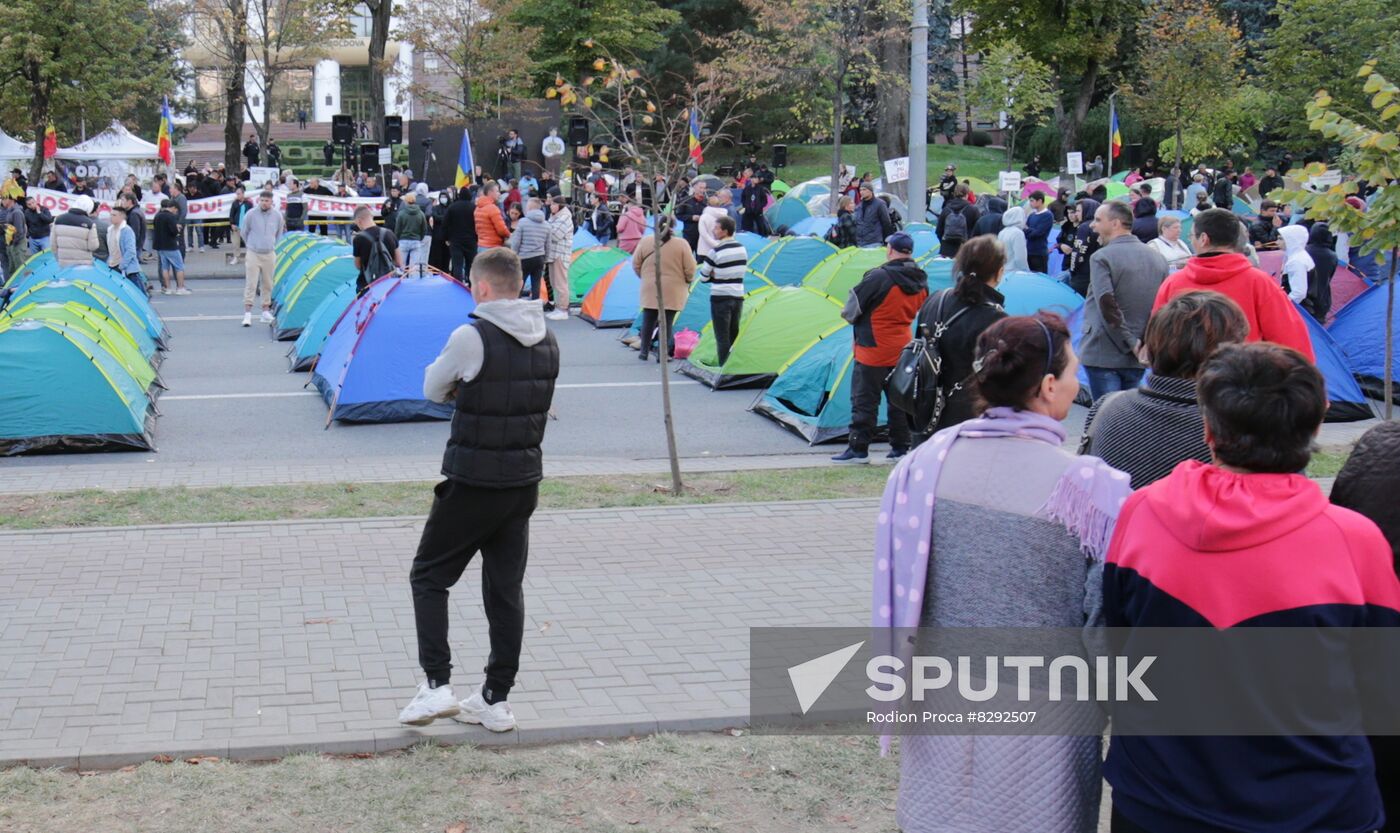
column 785, row 212
column 89, row 294
column 44, row 265
column 787, row 260
column 307, row 292
column 108, row 285
column 291, row 271
column 307, row 347
column 812, row 394
column 696, row 313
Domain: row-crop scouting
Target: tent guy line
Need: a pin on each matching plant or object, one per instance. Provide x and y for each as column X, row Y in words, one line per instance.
column 286, row 394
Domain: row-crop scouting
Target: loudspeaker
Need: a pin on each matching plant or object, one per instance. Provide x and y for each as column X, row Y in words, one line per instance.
column 1133, row 157
column 780, row 156
column 342, row 129
column 393, row 130
column 578, row 131
column 369, row 155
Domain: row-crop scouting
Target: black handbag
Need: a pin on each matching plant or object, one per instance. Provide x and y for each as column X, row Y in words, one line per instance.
column 912, row 386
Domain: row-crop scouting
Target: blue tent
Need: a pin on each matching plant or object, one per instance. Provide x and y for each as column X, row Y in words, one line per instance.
column 786, row 212
column 92, row 294
column 372, row 363
column 1359, row 329
column 925, row 240
column 44, row 265
column 752, row 242
column 106, row 284
column 812, row 227
column 614, row 299
column 1075, row 323
column 1346, row 401
column 1030, row 292
column 64, row 392
column 300, row 264
column 318, row 325
column 584, row 239
column 308, row 291
column 939, row 271
column 1055, row 264
column 787, row 260
column 812, row 394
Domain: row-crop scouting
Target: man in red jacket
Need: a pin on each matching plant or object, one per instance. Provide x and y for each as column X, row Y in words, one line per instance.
column 881, row 310
column 1219, row 266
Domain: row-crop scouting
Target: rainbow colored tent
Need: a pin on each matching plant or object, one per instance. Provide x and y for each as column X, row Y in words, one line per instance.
column 587, row 266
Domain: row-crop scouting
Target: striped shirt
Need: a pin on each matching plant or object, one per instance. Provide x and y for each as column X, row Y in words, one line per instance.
column 1148, row 431
column 724, row 269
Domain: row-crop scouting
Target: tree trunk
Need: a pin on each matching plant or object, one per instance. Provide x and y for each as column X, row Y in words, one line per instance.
column 1388, row 385
column 1178, row 137
column 382, row 11
column 892, row 104
column 39, row 118
column 1010, row 145
column 838, row 109
column 677, row 487
column 1082, row 100
column 236, row 91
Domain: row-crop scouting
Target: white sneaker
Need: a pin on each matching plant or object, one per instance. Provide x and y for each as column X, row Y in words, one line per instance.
column 497, row 717
column 165, row 290
column 247, row 319
column 267, row 317
column 182, row 291
column 428, row 705
column 557, row 315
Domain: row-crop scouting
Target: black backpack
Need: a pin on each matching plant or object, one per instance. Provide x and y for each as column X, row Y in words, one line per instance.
column 379, row 263
column 913, row 385
column 955, row 226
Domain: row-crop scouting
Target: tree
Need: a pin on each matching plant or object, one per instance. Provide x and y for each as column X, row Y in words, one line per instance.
column 1016, row 86
column 621, row 27
column 285, row 35
column 381, row 15
column 1371, row 139
column 476, row 44
column 1074, row 38
column 1319, row 42
column 67, row 61
column 654, row 132
column 1254, row 18
column 1226, row 128
column 892, row 91
column 221, row 30
column 1190, row 60
column 943, row 82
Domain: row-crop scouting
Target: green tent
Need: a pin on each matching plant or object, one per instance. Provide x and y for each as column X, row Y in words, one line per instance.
column 1121, row 175
column 102, row 329
column 785, row 212
column 90, row 294
column 64, row 392
column 839, row 273
column 779, row 188
column 302, row 298
column 812, row 394
column 1117, row 191
column 588, row 266
column 777, row 324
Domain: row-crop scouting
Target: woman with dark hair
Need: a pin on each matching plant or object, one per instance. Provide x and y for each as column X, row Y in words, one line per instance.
column 953, row 319
column 842, row 235
column 1086, row 242
column 989, row 502
column 1322, row 249
column 1147, row 431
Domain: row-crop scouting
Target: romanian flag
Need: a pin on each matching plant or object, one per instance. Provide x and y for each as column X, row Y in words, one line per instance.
column 50, row 143
column 163, row 146
column 1115, row 139
column 695, row 153
column 464, row 162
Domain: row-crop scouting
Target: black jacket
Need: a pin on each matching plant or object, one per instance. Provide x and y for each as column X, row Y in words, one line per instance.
column 958, row 346
column 1320, row 248
column 969, row 212
column 873, row 223
column 990, row 223
column 461, row 222
column 1086, row 242
column 1145, row 220
column 688, row 212
column 38, row 223
column 1222, row 193
column 1269, row 183
column 501, row 414
column 843, row 234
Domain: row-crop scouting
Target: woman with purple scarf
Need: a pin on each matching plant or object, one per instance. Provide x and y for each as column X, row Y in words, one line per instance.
column 992, row 523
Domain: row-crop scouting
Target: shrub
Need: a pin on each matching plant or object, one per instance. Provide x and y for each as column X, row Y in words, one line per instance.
column 979, row 139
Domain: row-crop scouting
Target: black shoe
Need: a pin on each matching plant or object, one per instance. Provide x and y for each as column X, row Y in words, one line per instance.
column 641, row 355
column 850, row 456
column 896, row 453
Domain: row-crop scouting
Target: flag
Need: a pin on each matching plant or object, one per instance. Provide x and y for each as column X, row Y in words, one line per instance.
column 1115, row 139
column 163, row 148
column 50, row 143
column 695, row 153
column 464, row 162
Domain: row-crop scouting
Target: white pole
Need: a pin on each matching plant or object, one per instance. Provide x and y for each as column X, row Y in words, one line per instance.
column 1108, row 160
column 918, row 113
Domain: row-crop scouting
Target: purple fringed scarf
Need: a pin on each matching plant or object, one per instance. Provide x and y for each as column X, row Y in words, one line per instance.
column 1086, row 500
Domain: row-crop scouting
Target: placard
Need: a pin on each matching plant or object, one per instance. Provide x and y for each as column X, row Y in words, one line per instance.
column 1009, row 182
column 1074, row 162
column 897, row 170
column 1326, row 179
column 258, row 177
column 386, row 156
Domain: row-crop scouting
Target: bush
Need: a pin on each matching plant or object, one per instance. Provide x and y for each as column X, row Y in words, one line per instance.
column 978, row 139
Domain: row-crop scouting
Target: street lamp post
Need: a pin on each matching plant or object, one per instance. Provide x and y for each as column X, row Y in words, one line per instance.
column 918, row 113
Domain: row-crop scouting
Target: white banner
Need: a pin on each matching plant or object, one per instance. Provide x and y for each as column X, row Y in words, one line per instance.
column 1009, row 182
column 1074, row 163
column 215, row 209
column 897, row 170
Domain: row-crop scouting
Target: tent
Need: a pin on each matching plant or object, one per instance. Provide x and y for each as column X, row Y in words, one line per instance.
column 1345, row 400
column 303, row 298
column 14, row 152
column 819, row 206
column 372, row 363
column 106, row 282
column 298, row 260
column 1037, row 186
column 116, row 142
column 1347, row 284
column 136, row 356
column 290, row 239
column 614, row 299
column 1242, row 207
column 925, row 241
column 786, row 212
column 812, row 188
column 752, row 242
column 979, row 186
column 1121, row 175
column 64, row 392
column 42, row 265
column 85, row 286
column 777, row 324
column 696, row 313
column 840, row 272
column 318, row 325
column 1116, row 190
column 588, row 265
column 779, row 188
column 812, row 394
column 1359, row 329
column 787, row 260
column 584, row 239
column 1027, row 293
column 812, row 227
column 939, row 271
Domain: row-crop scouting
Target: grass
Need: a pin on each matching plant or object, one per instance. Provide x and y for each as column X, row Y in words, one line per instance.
column 662, row 783
column 357, row 500
column 1327, row 463
column 810, row 161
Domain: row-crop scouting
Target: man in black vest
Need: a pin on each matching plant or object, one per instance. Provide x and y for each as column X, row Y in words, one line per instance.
column 500, row 371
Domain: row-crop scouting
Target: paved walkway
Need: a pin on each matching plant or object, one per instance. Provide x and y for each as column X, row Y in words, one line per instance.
column 253, row 640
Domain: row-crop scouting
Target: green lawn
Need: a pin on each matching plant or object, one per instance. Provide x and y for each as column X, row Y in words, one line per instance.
column 809, row 161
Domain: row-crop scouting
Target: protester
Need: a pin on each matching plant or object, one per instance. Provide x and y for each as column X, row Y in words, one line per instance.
column 997, row 495
column 1085, row 244
column 1249, row 540
column 949, row 183
column 677, row 271
column 723, row 268
column 240, row 206
column 491, row 228
column 708, row 238
column 15, row 229
column 688, row 213
column 375, row 248
column 125, row 259
column 410, row 228
column 559, row 255
column 1297, row 263
column 955, row 222
column 75, row 234
column 753, row 202
column 1039, row 222
column 881, row 309
column 252, row 153
column 1013, row 239
column 1173, row 197
column 1145, row 219
column 260, row 229
column 1264, row 231
column 461, row 234
column 1270, row 182
column 39, row 225
column 599, row 221
column 1124, row 275
column 529, row 241
column 991, row 220
column 632, row 225
column 873, row 223
column 953, row 319
column 1168, row 243
column 166, row 243
column 1147, row 431
column 842, row 234
column 438, row 255
column 499, row 370
column 1322, row 249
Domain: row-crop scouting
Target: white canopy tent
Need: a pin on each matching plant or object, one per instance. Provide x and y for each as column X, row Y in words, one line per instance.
column 14, row 153
column 116, row 142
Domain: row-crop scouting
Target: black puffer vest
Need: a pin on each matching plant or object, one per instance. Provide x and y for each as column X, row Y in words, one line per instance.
column 500, row 418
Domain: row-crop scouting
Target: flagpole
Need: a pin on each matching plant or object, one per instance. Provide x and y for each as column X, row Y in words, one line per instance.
column 1112, row 115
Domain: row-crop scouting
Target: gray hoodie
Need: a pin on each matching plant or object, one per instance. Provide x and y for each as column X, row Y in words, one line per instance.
column 461, row 358
column 531, row 235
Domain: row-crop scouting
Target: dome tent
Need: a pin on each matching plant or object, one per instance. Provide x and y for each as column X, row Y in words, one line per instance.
column 1345, row 400
column 812, row 394
column 308, row 291
column 1027, row 293
column 299, row 261
column 786, row 212
column 614, row 300
column 372, row 363
column 777, row 324
column 587, row 266
column 308, row 345
column 838, row 274
column 137, row 357
column 88, row 287
column 787, row 260
column 584, row 239
column 695, row 315
column 812, row 227
column 43, row 265
column 1359, row 329
column 752, row 242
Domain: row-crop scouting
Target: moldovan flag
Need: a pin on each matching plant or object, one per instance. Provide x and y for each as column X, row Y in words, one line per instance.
column 695, row 137
column 1115, row 139
column 163, row 148
column 464, row 161
column 50, row 143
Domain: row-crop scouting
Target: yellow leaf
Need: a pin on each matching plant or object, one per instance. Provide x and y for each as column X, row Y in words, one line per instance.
column 651, row 108
column 647, row 120
column 558, row 80
column 551, row 93
column 1391, row 112
column 588, row 101
column 1365, row 70
column 600, row 64
column 588, row 81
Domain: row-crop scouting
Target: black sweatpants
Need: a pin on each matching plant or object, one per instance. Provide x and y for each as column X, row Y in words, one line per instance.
column 725, row 313
column 465, row 520
column 460, row 259
column 867, row 389
column 1038, row 263
column 532, row 269
column 648, row 333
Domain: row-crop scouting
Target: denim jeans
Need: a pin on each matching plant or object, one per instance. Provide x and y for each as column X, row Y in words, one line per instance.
column 414, row 252
column 1106, row 380
column 38, row 244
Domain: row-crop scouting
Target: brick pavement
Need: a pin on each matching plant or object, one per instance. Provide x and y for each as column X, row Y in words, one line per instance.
column 252, row 640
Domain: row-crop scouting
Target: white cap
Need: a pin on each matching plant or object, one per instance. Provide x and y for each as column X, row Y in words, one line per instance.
column 84, row 204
